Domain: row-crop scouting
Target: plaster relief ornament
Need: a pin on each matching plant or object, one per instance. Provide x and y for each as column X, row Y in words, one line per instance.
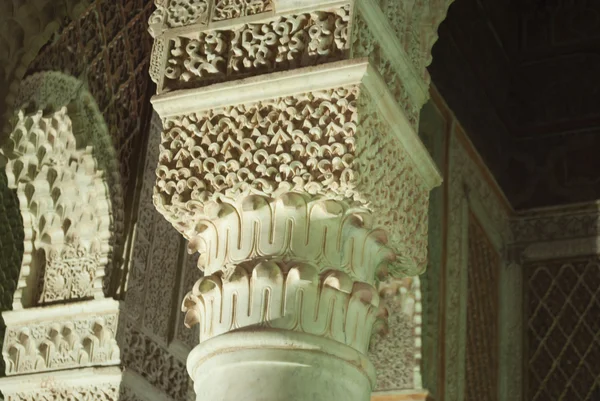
column 65, row 207
column 177, row 13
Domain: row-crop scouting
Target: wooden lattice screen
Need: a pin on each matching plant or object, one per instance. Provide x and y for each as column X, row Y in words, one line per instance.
column 563, row 330
column 482, row 316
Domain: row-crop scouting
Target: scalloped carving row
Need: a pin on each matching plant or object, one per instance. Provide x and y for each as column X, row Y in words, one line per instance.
column 61, row 345
column 285, row 296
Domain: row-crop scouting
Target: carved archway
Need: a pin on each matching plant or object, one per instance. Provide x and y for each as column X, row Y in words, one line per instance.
column 61, row 163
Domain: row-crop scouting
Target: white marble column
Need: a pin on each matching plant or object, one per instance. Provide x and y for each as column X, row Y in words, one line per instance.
column 298, row 177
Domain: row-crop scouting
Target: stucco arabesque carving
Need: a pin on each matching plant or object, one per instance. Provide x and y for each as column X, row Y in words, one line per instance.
column 55, row 158
column 403, row 334
column 279, row 43
column 282, row 42
column 65, row 209
column 55, row 163
column 90, row 393
column 146, row 358
column 266, row 189
column 177, row 13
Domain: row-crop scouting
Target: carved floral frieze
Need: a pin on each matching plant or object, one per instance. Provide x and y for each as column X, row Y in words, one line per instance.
column 69, row 273
column 230, row 9
column 282, row 43
column 176, row 13
column 304, row 143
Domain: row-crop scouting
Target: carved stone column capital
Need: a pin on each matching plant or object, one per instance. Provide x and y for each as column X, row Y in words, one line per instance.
column 299, row 179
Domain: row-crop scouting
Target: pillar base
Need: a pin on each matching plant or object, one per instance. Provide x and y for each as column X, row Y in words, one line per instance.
column 265, row 365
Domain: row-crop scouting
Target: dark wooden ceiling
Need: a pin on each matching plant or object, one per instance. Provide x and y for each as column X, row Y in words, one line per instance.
column 523, row 78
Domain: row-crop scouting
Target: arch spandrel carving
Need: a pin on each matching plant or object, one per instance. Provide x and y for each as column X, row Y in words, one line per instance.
column 55, row 160
column 25, row 27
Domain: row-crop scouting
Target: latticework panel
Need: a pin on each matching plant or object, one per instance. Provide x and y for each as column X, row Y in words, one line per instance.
column 108, row 48
column 563, row 330
column 482, row 362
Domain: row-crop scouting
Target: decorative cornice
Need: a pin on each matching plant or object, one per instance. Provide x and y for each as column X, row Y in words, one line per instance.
column 558, row 223
column 558, row 232
column 562, row 249
column 61, row 336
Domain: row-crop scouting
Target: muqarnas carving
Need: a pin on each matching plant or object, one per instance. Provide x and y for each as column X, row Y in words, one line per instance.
column 66, row 208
